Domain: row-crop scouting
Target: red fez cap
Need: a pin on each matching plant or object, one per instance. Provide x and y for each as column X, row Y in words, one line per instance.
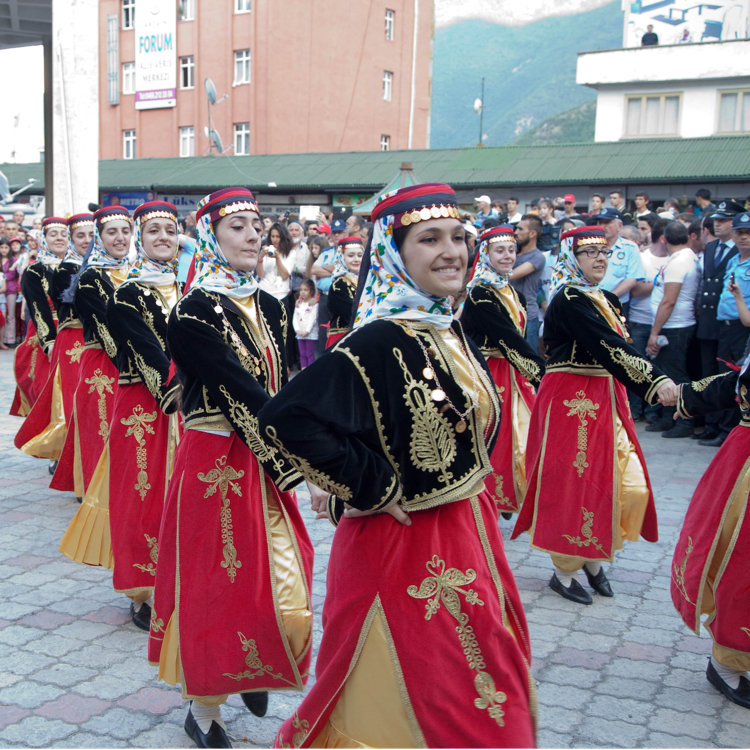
column 154, row 209
column 76, row 219
column 51, row 221
column 225, row 202
column 110, row 213
column 504, row 233
column 410, row 205
column 585, row 236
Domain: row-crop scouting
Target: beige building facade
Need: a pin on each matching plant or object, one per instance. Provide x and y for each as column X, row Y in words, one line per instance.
column 290, row 76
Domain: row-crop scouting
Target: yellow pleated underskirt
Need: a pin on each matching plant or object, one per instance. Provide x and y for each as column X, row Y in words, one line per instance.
column 49, row 442
column 521, row 417
column 87, row 538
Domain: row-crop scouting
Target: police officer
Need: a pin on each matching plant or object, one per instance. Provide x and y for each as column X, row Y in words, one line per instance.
column 716, row 257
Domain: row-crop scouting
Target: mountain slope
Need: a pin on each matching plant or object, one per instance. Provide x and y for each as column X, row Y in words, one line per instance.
column 529, row 73
column 572, row 126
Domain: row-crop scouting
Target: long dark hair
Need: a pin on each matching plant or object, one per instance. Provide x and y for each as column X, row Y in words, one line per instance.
column 285, row 239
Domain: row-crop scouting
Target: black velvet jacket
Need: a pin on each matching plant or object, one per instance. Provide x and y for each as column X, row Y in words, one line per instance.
column 340, row 301
column 137, row 317
column 93, row 293
column 35, row 287
column 715, row 393
column 578, row 337
column 61, row 277
column 228, row 369
column 489, row 324
column 361, row 424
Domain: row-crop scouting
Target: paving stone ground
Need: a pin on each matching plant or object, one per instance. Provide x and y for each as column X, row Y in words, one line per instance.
column 623, row 672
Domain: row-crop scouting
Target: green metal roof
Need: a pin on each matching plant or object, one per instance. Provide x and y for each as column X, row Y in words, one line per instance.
column 714, row 159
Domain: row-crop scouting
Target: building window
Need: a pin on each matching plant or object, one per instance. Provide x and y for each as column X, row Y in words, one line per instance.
column 128, row 78
column 128, row 14
column 734, row 111
column 187, row 72
column 241, row 66
column 385, row 142
column 242, row 6
column 113, row 59
column 390, row 19
column 187, row 141
column 128, row 144
column 242, row 138
column 186, row 10
column 656, row 114
column 387, row 85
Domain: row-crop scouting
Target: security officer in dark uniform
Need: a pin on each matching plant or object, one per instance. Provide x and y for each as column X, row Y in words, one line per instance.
column 716, row 255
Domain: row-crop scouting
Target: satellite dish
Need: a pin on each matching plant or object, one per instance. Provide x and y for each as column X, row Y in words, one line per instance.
column 216, row 140
column 477, row 105
column 208, row 84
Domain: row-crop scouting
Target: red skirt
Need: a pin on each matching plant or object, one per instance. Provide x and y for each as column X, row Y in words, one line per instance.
column 334, row 337
column 507, row 483
column 232, row 608
column 43, row 433
column 425, row 643
column 142, row 443
column 712, row 557
column 575, row 476
column 31, row 368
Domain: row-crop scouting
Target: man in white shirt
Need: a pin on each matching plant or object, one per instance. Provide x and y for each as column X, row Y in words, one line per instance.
column 514, row 215
column 673, row 305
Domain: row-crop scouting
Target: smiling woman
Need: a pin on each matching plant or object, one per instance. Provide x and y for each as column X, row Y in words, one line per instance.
column 404, row 416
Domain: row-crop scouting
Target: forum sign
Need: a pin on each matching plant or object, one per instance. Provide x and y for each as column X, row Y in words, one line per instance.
column 155, row 54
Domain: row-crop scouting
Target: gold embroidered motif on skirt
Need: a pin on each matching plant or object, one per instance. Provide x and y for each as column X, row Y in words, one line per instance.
column 678, row 573
column 581, row 407
column 586, row 537
column 638, row 369
column 157, row 624
column 153, row 547
column 254, row 664
column 32, row 369
column 444, row 586
column 138, row 424
column 223, row 478
column 500, row 495
column 433, row 444
column 75, row 352
column 102, row 384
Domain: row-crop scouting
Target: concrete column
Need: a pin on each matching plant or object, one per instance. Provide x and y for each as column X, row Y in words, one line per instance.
column 75, row 106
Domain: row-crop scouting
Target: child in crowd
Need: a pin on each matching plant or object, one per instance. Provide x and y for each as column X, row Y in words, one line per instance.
column 305, row 322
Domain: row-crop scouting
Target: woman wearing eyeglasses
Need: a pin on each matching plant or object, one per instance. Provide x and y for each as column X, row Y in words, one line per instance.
column 588, row 487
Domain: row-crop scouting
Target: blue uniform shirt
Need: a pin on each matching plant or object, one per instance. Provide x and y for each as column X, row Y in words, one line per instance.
column 727, row 308
column 625, row 263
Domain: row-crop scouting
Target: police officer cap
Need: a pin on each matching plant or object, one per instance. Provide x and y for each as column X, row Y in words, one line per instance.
column 741, row 221
column 728, row 210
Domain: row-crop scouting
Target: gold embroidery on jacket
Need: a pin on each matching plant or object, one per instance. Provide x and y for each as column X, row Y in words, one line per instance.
column 248, row 423
column 153, row 547
column 303, row 466
column 148, row 319
column 138, row 424
column 588, row 535
column 102, row 384
column 75, row 352
column 700, row 385
column 150, row 375
column 254, row 664
column 581, row 407
column 444, row 586
column 42, row 329
column 433, row 444
column 637, row 368
column 110, row 347
column 678, row 574
column 223, row 478
column 525, row 365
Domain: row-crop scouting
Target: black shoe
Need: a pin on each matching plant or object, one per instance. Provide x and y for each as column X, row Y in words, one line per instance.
column 659, row 426
column 575, row 592
column 678, row 431
column 215, row 737
column 141, row 618
column 708, row 434
column 52, row 466
column 257, row 703
column 739, row 695
column 79, row 499
column 715, row 442
column 599, row 582
column 506, row 514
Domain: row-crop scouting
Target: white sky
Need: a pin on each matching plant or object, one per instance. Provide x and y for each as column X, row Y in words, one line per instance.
column 22, row 110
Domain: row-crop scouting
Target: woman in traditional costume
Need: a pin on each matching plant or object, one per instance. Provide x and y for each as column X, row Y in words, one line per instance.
column 87, row 537
column 43, row 432
column 710, row 564
column 232, row 611
column 144, row 431
column 588, row 487
column 69, row 342
column 425, row 642
column 346, row 265
column 494, row 317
